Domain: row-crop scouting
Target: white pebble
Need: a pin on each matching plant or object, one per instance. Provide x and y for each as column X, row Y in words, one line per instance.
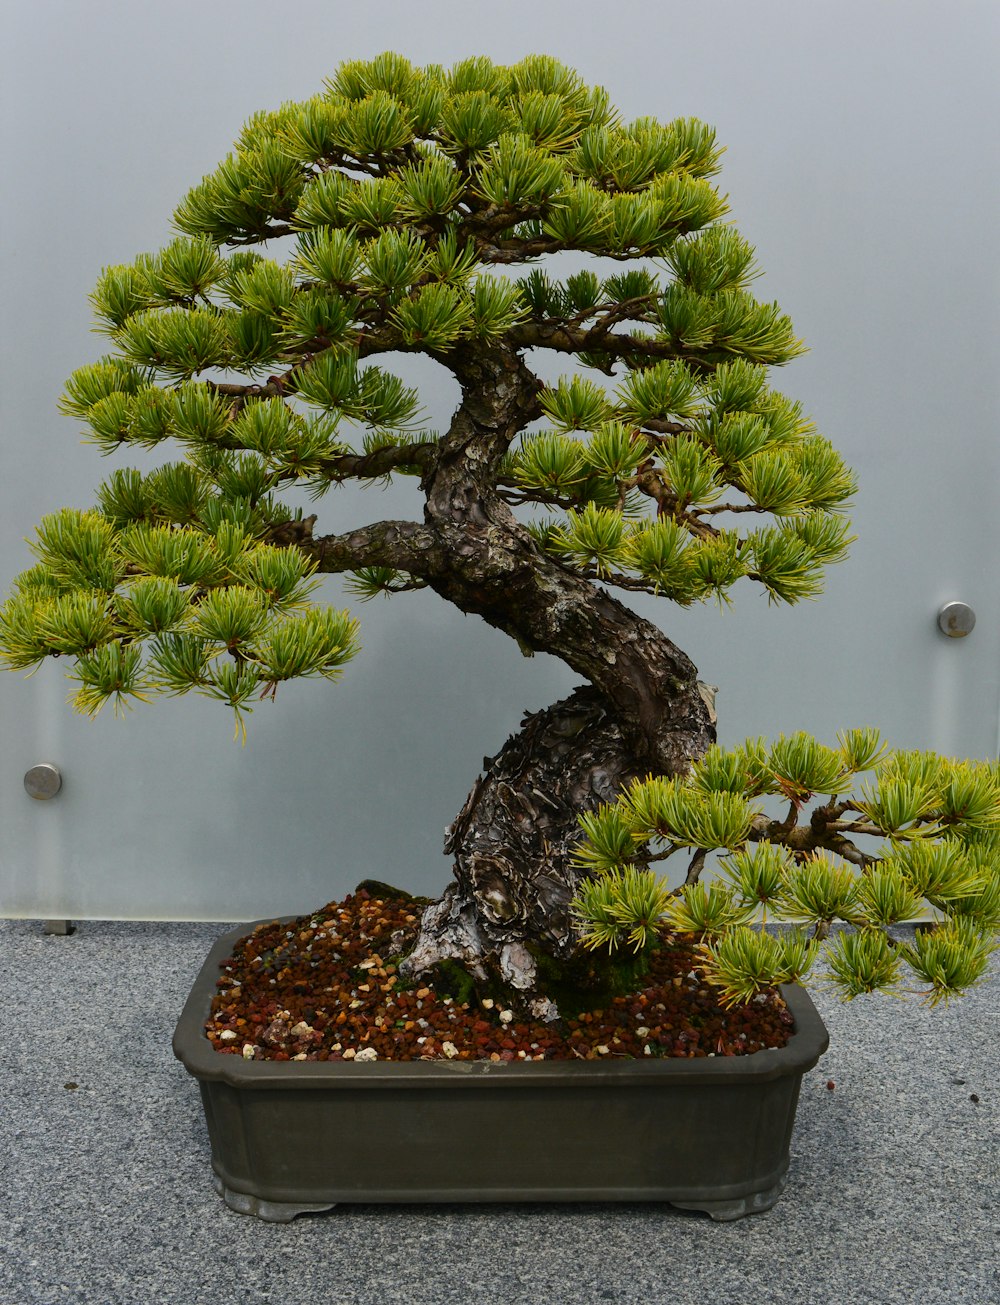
column 366, row 1053
column 350, row 1053
column 301, row 1029
column 248, row 1051
column 228, row 1035
column 487, row 1003
column 602, row 1051
column 642, row 1033
column 506, row 1016
column 449, row 1049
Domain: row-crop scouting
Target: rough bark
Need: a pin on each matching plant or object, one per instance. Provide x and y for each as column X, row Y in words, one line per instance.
column 643, row 712
column 513, row 845
column 496, row 570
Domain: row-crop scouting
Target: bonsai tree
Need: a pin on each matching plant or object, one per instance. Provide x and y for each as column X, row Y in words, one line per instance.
column 419, row 210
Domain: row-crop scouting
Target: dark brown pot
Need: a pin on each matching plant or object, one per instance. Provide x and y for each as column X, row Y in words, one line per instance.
column 707, row 1134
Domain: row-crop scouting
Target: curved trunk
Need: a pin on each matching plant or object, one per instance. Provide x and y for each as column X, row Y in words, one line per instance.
column 513, row 845
column 643, row 712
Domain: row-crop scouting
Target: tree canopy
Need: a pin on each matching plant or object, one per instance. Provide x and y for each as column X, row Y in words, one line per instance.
column 397, row 203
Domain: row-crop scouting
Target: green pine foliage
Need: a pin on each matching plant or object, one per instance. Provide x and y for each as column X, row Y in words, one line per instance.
column 705, row 452
column 395, row 191
column 919, row 838
column 458, row 163
column 147, row 604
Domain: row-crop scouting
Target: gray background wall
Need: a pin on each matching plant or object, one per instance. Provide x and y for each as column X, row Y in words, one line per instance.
column 861, row 162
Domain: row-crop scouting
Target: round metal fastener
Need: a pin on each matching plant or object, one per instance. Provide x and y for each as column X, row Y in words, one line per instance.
column 43, row 781
column 956, row 620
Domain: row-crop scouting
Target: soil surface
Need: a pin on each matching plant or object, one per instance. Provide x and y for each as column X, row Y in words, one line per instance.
column 325, row 987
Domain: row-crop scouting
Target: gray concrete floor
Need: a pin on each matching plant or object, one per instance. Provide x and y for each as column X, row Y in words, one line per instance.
column 106, row 1197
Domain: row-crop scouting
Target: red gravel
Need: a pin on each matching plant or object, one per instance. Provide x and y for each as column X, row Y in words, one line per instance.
column 324, row 987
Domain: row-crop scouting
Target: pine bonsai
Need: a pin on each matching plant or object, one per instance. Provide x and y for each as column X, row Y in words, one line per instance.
column 419, row 210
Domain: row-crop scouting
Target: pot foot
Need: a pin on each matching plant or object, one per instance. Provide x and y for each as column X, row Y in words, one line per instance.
column 269, row 1211
column 726, row 1211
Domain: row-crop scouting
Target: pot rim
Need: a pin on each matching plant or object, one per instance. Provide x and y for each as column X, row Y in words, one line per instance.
column 190, row 1045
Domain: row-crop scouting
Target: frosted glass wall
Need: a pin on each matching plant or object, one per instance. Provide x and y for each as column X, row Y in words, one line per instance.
column 861, row 163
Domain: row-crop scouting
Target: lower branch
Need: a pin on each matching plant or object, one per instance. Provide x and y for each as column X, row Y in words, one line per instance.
column 402, row 545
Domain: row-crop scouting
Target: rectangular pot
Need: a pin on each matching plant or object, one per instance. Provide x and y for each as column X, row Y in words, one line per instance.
column 287, row 1137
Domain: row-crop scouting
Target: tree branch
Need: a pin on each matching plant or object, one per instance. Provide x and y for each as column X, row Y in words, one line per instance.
column 366, row 342
column 731, row 507
column 570, row 339
column 380, row 462
column 817, row 834
column 612, row 313
column 654, row 426
column 856, row 827
column 516, row 251
column 695, row 868
column 402, row 545
column 261, row 237
column 511, row 493
column 634, row 583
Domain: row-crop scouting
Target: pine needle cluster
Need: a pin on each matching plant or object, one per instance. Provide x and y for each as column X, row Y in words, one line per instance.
column 919, row 839
column 153, row 606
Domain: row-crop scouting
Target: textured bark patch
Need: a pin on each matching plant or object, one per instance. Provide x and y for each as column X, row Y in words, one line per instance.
column 513, row 845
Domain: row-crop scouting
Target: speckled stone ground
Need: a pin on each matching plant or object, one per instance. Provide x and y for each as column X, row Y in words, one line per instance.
column 106, row 1198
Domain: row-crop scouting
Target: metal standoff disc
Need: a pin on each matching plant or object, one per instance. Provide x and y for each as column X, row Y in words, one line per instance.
column 43, row 781
column 956, row 620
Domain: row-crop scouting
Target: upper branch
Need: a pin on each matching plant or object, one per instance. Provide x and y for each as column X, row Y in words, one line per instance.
column 567, row 338
column 380, row 462
column 271, row 231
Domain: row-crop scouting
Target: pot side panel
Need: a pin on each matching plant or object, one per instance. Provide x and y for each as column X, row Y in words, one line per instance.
column 648, row 1143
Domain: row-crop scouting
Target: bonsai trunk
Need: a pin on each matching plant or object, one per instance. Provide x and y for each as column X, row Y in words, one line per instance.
column 642, row 712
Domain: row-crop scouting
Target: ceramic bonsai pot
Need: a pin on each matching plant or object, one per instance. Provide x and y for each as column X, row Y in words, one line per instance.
column 706, row 1134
